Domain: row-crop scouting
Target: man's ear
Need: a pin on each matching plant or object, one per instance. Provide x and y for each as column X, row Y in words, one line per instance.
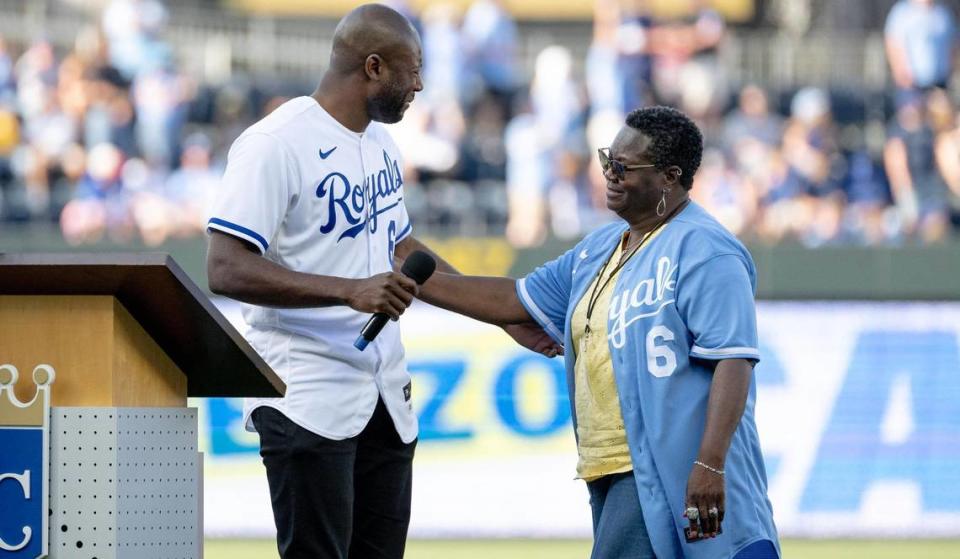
column 373, row 66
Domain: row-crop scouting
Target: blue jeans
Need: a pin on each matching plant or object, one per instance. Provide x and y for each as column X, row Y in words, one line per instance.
column 618, row 528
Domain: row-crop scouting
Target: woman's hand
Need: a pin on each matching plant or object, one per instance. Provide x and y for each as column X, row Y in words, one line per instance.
column 705, row 493
column 531, row 336
column 705, row 486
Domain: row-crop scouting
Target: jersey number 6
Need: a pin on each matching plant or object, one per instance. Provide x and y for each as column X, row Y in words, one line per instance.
column 661, row 360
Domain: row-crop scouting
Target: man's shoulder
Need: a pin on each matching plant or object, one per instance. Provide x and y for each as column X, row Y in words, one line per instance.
column 286, row 121
column 281, row 131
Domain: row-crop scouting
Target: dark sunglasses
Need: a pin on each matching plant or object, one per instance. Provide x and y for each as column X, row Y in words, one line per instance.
column 616, row 168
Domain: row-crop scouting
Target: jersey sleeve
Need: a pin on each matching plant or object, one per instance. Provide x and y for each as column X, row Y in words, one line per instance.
column 545, row 293
column 404, row 225
column 716, row 303
column 255, row 192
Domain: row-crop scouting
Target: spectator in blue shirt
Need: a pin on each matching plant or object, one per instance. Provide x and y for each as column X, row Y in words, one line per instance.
column 921, row 36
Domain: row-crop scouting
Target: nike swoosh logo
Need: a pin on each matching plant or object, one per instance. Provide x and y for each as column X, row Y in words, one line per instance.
column 583, row 254
column 326, row 154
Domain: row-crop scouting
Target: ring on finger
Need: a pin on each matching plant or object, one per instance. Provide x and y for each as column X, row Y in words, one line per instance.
column 693, row 513
column 713, row 512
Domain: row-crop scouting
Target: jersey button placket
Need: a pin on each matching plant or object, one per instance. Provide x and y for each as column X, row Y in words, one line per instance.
column 366, row 199
column 366, row 228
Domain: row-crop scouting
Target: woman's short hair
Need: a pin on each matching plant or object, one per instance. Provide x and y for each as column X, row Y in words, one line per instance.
column 674, row 139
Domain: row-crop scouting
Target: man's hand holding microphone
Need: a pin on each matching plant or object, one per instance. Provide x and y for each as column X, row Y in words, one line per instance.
column 387, row 295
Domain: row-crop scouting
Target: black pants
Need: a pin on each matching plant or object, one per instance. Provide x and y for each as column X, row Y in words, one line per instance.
column 337, row 499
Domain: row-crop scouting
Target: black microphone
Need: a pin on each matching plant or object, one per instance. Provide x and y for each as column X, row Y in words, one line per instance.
column 419, row 266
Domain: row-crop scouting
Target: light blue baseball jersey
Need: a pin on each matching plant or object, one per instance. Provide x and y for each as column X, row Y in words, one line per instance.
column 680, row 305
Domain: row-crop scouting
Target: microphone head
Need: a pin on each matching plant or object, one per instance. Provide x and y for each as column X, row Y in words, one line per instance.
column 419, row 266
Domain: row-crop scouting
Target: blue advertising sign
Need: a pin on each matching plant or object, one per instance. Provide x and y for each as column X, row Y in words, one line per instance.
column 858, row 412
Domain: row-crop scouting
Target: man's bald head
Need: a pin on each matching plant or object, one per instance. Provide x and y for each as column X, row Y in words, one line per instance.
column 375, row 66
column 372, row 29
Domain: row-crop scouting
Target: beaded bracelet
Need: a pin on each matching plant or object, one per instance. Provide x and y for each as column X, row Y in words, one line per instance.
column 711, row 468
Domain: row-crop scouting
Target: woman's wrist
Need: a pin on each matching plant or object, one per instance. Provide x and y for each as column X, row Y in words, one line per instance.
column 708, row 467
column 712, row 457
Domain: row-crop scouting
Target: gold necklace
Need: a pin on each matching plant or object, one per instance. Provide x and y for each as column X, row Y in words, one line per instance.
column 598, row 287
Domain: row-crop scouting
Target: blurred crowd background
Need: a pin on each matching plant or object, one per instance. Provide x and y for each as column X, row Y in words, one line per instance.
column 825, row 122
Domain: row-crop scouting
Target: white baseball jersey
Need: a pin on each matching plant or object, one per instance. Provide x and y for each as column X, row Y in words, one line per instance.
column 316, row 197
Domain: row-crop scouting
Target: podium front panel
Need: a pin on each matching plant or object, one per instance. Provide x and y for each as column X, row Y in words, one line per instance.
column 125, row 482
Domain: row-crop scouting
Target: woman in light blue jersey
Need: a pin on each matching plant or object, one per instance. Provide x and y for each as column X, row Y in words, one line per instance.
column 656, row 318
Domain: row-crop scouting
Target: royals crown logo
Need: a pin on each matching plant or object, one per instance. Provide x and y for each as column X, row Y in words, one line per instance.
column 24, row 438
column 32, row 414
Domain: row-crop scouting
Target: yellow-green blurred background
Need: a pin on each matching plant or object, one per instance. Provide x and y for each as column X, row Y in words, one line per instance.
column 580, row 549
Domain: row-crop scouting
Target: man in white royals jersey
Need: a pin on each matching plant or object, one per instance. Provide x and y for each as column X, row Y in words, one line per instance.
column 304, row 231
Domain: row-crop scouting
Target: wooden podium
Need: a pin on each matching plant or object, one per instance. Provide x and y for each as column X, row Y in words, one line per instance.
column 130, row 337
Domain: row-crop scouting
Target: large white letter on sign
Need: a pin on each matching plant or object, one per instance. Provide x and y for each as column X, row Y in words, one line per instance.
column 24, row 480
column 25, row 440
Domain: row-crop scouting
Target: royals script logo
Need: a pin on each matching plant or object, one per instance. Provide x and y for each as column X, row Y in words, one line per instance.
column 646, row 298
column 24, row 438
column 349, row 202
